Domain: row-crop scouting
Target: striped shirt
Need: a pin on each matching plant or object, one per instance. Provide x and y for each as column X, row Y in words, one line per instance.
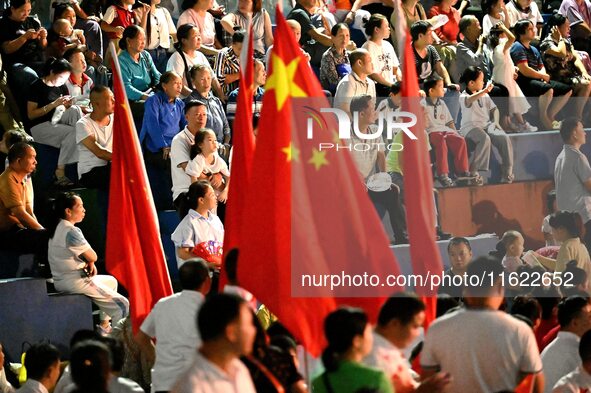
column 257, row 104
column 227, row 63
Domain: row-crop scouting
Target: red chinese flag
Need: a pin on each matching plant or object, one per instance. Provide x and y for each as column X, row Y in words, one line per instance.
column 134, row 253
column 308, row 210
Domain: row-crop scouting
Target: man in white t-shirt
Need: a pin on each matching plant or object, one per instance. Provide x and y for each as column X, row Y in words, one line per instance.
column 172, row 324
column 94, row 136
column 180, row 148
column 484, row 349
column 578, row 380
column 226, row 327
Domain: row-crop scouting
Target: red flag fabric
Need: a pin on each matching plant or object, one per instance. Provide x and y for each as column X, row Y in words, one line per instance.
column 308, row 218
column 134, row 253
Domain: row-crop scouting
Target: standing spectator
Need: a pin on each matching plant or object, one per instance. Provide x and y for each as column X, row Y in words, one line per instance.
column 525, row 9
column 226, row 327
column 260, row 77
column 159, row 27
column 578, row 380
column 572, row 174
column 262, row 30
column 228, row 63
column 510, row 344
column 335, row 61
column 117, row 18
column 171, row 323
column 314, row 40
column 560, row 357
column 94, row 136
column 383, row 57
column 357, row 83
column 195, row 12
column 578, row 13
column 43, row 369
column 53, row 115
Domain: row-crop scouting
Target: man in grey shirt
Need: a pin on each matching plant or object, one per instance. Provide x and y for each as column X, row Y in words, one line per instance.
column 572, row 174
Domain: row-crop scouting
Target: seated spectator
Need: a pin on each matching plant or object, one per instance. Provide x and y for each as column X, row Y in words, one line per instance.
column 313, row 40
column 500, row 41
column 399, row 324
column 90, row 366
column 428, row 61
column 225, row 324
column 510, row 249
column 578, row 380
column 250, row 11
column 42, row 362
column 117, row 18
column 349, row 337
column 199, row 224
column 525, row 9
column 443, row 136
column 216, row 117
column 22, row 39
column 186, row 56
column 527, row 309
column 171, row 323
column 94, row 136
column 53, row 115
column 413, row 11
column 567, row 228
column 180, row 148
column 72, row 261
column 62, row 37
column 480, row 125
column 295, row 27
column 79, row 84
column 159, row 27
column 357, row 83
column 495, row 13
column 195, row 13
column 260, row 77
column 560, row 357
column 19, row 229
column 383, row 57
column 228, row 63
column 448, row 33
column 335, row 61
column 563, row 63
column 459, row 252
column 578, row 13
column 9, row 139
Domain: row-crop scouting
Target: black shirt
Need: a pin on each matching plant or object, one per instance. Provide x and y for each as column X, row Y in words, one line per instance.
column 31, row 52
column 42, row 94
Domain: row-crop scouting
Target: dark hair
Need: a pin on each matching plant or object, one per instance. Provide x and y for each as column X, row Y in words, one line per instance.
column 12, row 137
column 192, row 103
column 63, row 201
column 60, row 8
column 238, row 36
column 283, row 342
column 418, row 28
column 456, row 241
column 193, row 273
column 39, row 358
column 217, row 312
column 554, row 20
column 520, row 28
column 231, row 265
column 182, row 33
column 90, row 366
column 570, row 221
column 96, row 90
column 340, row 328
column 395, row 88
column 117, row 351
column 130, row 33
column 189, row 199
column 402, row 306
column 374, row 22
column 487, row 5
column 465, row 22
column 338, row 27
column 83, row 335
column 57, row 66
column 484, row 266
column 18, row 3
column 550, row 199
column 579, row 277
column 494, row 37
column 199, row 138
column 567, row 127
column 188, row 4
column 570, row 308
column 445, row 303
column 360, row 103
column 548, row 300
column 167, row 77
column 71, row 52
column 470, row 74
column 528, row 307
column 585, row 347
column 430, row 83
column 18, row 150
column 357, row 55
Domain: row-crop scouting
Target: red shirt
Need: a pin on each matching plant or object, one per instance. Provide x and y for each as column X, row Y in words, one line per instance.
column 546, row 325
column 124, row 17
column 450, row 30
column 548, row 338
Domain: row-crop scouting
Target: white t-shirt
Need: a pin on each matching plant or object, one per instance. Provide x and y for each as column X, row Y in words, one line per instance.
column 559, row 358
column 437, row 115
column 199, row 165
column 195, row 229
column 205, row 24
column 172, row 322
column 162, row 27
column 205, row 377
column 180, row 151
column 574, row 382
column 477, row 115
column 86, row 127
column 483, row 350
column 64, row 249
column 383, row 57
column 533, row 15
column 176, row 64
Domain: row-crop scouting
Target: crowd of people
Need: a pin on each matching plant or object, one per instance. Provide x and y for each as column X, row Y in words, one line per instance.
column 484, row 71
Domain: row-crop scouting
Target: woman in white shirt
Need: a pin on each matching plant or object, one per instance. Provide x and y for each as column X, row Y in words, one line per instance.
column 72, row 262
column 384, row 59
column 159, row 28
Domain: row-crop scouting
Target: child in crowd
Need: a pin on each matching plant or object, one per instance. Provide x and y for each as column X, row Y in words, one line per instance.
column 480, row 125
column 495, row 14
column 546, row 228
column 511, row 248
column 62, row 37
column 443, row 136
column 117, row 18
column 500, row 41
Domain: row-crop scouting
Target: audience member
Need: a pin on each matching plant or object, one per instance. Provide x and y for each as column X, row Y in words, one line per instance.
column 159, row 27
column 525, row 9
column 79, row 84
column 548, row 300
column 62, row 37
column 247, row 13
column 578, row 13
column 448, row 33
column 90, row 366
column 228, row 63
column 495, row 13
column 357, row 83
column 116, row 19
column 335, row 61
column 195, row 12
column 233, row 286
column 260, row 77
column 510, row 249
column 314, row 40
column 578, row 380
column 42, row 362
column 527, row 309
column 384, row 60
column 459, row 252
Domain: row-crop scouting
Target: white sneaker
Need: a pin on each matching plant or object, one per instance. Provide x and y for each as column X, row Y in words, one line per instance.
column 57, row 115
column 528, row 127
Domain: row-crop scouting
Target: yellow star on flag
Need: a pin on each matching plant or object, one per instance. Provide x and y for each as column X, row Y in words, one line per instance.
column 281, row 80
column 291, row 152
column 318, row 159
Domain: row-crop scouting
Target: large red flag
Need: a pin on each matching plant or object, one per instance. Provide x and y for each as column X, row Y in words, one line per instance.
column 309, row 217
column 134, row 253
